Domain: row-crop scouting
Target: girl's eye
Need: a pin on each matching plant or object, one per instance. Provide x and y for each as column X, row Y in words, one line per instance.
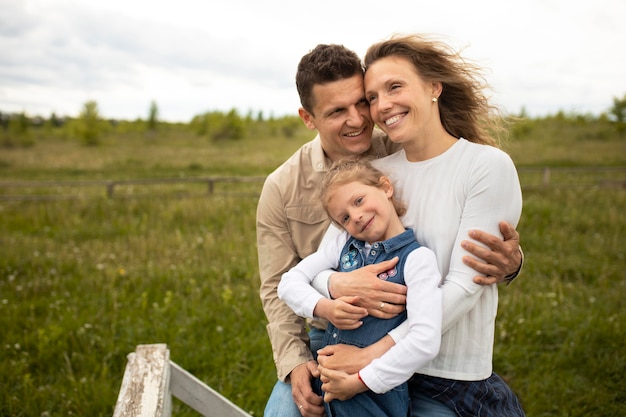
column 345, row 219
column 358, row 201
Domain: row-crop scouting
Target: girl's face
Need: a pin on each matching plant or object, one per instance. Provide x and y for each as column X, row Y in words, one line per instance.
column 401, row 102
column 365, row 211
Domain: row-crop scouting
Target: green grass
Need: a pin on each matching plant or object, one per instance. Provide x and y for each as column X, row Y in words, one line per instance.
column 83, row 281
column 560, row 326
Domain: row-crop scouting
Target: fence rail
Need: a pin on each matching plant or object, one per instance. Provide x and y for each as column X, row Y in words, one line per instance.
column 530, row 177
column 150, row 381
column 54, row 190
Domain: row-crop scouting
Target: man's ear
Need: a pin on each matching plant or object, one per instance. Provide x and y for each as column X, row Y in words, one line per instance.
column 307, row 118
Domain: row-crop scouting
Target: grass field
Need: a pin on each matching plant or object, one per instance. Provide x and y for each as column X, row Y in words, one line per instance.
column 83, row 281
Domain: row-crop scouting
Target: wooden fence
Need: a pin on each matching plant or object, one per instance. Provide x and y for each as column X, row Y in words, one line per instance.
column 59, row 190
column 530, row 177
column 150, row 381
column 571, row 177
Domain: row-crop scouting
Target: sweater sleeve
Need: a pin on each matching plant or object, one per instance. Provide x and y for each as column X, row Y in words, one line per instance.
column 492, row 193
column 295, row 285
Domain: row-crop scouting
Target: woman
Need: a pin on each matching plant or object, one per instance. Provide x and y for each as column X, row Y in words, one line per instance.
column 453, row 178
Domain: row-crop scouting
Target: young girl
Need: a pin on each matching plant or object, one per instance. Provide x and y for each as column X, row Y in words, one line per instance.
column 360, row 199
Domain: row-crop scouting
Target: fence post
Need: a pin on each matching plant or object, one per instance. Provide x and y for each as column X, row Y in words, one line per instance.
column 546, row 176
column 145, row 390
column 110, row 186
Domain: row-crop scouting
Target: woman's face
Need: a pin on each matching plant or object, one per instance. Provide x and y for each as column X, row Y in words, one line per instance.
column 401, row 102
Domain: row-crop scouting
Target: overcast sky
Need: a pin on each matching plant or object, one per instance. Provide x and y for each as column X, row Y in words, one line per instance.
column 194, row 56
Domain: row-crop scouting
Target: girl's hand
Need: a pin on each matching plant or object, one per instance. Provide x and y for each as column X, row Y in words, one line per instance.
column 339, row 385
column 342, row 312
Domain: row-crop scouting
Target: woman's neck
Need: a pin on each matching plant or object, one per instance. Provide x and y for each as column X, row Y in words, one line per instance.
column 428, row 146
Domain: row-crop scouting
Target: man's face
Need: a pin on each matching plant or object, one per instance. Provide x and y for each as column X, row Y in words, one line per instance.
column 341, row 116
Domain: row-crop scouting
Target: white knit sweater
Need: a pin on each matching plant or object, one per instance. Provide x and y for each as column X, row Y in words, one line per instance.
column 469, row 186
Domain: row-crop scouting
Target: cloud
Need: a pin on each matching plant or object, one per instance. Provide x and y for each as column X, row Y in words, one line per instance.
column 192, row 56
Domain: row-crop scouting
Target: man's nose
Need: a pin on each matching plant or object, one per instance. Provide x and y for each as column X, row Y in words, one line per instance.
column 355, row 117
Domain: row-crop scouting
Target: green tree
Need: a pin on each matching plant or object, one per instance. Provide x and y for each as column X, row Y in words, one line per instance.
column 89, row 129
column 618, row 111
column 232, row 127
column 19, row 125
column 16, row 130
column 55, row 121
column 153, row 116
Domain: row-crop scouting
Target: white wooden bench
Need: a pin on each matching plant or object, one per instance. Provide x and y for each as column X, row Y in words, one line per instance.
column 150, row 381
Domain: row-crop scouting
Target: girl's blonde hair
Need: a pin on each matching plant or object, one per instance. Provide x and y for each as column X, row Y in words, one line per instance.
column 353, row 169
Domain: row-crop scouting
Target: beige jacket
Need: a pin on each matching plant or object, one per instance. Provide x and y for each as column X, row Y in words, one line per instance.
column 290, row 225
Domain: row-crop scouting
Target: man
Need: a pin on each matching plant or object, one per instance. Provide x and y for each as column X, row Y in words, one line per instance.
column 291, row 224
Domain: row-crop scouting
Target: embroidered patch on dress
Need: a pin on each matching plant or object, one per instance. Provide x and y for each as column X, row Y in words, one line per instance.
column 349, row 260
column 388, row 274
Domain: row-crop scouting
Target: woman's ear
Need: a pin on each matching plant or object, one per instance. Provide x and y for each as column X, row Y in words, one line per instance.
column 437, row 88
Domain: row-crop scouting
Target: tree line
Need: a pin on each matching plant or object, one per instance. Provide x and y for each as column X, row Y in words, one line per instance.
column 16, row 129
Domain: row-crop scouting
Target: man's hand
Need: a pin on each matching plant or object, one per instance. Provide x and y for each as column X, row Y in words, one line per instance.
column 338, row 385
column 501, row 258
column 382, row 299
column 309, row 403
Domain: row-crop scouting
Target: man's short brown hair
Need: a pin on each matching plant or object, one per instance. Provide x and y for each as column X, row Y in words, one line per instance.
column 324, row 64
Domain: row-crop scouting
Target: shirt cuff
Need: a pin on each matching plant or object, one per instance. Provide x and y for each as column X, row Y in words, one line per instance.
column 320, row 282
column 509, row 278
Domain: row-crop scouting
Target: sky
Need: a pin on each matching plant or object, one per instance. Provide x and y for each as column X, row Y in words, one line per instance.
column 196, row 56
